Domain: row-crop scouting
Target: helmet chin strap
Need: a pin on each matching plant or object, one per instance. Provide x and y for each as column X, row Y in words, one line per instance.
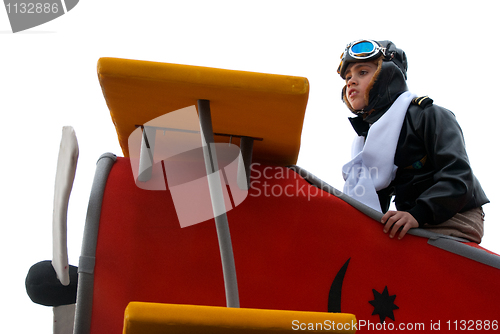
column 363, row 112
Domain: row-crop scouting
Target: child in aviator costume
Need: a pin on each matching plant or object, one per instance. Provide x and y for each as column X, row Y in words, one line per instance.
column 407, row 148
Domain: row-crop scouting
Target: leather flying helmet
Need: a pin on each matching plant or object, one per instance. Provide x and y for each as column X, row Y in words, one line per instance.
column 389, row 80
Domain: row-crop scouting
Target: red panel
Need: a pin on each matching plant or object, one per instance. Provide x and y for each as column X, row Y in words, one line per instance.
column 288, row 250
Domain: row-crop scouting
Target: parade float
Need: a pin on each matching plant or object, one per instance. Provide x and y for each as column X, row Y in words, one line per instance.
column 204, row 223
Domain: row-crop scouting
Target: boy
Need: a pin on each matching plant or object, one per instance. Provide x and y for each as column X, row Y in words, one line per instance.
column 407, row 148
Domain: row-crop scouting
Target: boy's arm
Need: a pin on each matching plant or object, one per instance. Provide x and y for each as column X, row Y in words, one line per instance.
column 453, row 180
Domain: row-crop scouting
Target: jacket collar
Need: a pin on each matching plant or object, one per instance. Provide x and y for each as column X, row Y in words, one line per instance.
column 360, row 126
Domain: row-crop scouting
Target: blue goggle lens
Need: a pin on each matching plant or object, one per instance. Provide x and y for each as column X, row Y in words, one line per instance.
column 362, row 47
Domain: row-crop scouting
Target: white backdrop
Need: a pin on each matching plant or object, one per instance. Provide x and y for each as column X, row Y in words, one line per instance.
column 48, row 79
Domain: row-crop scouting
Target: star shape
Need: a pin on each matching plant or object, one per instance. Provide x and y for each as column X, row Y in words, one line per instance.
column 383, row 304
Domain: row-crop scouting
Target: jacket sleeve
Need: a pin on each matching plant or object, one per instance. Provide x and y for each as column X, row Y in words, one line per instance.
column 452, row 183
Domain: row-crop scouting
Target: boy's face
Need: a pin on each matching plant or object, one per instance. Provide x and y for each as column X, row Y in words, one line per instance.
column 358, row 76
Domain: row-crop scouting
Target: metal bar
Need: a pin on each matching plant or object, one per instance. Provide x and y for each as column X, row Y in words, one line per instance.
column 195, row 132
column 147, row 151
column 85, row 292
column 167, row 129
column 216, row 196
column 236, row 136
column 246, row 147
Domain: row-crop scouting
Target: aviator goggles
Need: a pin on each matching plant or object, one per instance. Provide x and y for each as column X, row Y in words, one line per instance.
column 361, row 50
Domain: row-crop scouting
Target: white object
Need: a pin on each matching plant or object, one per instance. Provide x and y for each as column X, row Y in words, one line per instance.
column 64, row 318
column 372, row 166
column 65, row 175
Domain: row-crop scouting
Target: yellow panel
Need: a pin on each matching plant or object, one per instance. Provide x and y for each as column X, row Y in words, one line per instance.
column 259, row 105
column 152, row 318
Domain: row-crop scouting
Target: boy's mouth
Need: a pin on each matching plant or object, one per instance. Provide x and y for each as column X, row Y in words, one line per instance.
column 352, row 93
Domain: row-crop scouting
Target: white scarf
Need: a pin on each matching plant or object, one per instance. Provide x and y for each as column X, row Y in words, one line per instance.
column 372, row 166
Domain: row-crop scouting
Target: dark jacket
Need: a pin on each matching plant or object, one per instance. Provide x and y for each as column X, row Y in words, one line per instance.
column 434, row 180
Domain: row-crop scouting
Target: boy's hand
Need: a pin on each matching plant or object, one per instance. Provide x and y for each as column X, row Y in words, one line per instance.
column 397, row 220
